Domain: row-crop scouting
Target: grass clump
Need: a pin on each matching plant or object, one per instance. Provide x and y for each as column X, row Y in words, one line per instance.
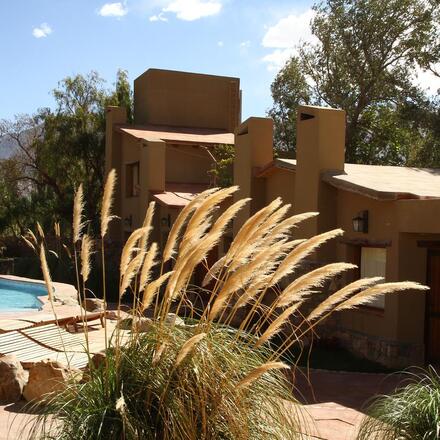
column 210, row 380
column 412, row 412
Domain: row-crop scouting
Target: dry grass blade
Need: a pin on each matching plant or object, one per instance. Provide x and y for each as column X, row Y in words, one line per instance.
column 46, row 273
column 287, row 224
column 129, row 248
column 32, row 237
column 255, row 374
column 69, row 254
column 340, row 296
column 213, row 271
column 40, row 230
column 78, row 206
column 299, row 287
column 147, row 266
column 301, row 251
column 57, row 229
column 107, row 201
column 158, row 353
column 148, row 221
column 366, row 295
column 258, row 267
column 130, row 272
column 201, row 219
column 152, row 289
column 276, row 325
column 173, row 236
column 187, row 347
column 86, row 252
column 29, row 243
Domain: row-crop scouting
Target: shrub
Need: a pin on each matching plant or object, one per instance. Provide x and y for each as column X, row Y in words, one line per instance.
column 206, row 380
column 412, row 412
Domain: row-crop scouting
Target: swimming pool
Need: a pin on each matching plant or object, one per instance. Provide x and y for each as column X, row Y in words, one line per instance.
column 20, row 295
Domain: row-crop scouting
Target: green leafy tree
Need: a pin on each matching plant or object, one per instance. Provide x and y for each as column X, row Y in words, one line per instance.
column 367, row 55
column 55, row 150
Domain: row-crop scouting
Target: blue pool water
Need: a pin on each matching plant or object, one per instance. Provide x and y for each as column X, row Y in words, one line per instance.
column 20, row 295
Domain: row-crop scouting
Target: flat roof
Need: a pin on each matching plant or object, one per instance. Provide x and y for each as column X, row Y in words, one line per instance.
column 178, row 135
column 178, row 195
column 387, row 182
column 380, row 182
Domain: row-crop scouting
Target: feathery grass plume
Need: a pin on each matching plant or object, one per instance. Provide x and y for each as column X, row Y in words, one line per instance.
column 29, row 243
column 147, row 224
column 187, row 347
column 57, row 229
column 368, row 294
column 46, row 273
column 152, row 289
column 40, row 230
column 173, row 236
column 244, row 274
column 129, row 248
column 213, row 271
column 239, row 249
column 130, row 272
column 158, row 353
column 78, row 207
column 201, row 219
column 107, row 200
column 298, row 288
column 304, row 249
column 69, row 254
column 86, row 252
column 147, row 265
column 340, row 296
column 286, row 225
column 255, row 374
column 276, row 325
column 32, row 237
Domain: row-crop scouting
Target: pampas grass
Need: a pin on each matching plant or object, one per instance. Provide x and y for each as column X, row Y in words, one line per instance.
column 205, row 379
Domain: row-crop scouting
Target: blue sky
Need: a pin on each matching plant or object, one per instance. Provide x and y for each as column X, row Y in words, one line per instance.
column 43, row 41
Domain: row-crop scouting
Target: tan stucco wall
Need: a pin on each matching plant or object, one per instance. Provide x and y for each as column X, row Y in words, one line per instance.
column 281, row 184
column 165, row 97
column 187, row 164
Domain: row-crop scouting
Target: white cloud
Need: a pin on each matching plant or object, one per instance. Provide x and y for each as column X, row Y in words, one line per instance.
column 284, row 37
column 42, row 31
column 190, row 10
column 158, row 17
column 220, row 43
column 245, row 44
column 117, row 9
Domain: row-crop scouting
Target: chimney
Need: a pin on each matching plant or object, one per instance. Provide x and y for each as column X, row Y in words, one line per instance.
column 253, row 150
column 320, row 147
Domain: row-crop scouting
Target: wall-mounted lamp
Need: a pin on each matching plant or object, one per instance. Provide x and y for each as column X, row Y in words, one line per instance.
column 360, row 222
column 128, row 221
column 166, row 221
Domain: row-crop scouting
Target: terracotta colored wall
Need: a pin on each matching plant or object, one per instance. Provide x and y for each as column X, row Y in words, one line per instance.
column 253, row 149
column 281, row 184
column 165, row 97
column 187, row 164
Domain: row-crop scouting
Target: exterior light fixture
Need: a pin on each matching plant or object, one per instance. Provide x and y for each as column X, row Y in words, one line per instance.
column 360, row 222
column 128, row 221
column 166, row 221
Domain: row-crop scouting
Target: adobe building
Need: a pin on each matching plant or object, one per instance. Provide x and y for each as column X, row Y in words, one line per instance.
column 166, row 154
column 391, row 219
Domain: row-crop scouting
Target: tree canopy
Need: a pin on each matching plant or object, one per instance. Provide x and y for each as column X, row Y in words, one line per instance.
column 366, row 61
column 55, row 150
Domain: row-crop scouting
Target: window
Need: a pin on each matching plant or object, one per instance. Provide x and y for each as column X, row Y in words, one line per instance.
column 373, row 264
column 132, row 179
